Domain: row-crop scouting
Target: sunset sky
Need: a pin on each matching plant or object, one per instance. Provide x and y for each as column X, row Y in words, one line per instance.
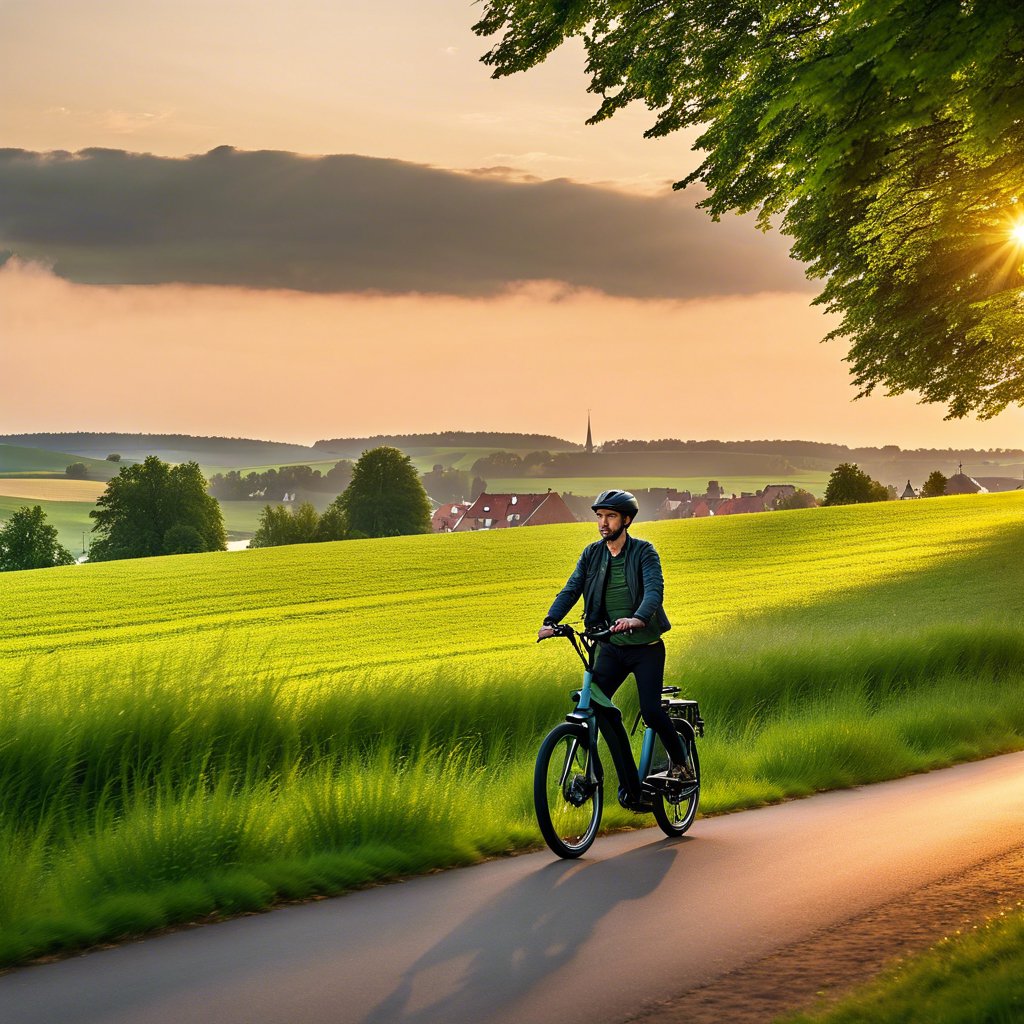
column 321, row 219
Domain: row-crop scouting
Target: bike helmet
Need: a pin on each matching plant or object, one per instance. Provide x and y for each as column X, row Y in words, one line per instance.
column 618, row 501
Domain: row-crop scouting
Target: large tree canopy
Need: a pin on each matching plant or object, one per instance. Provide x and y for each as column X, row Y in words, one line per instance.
column 888, row 135
column 28, row 541
column 386, row 497
column 156, row 509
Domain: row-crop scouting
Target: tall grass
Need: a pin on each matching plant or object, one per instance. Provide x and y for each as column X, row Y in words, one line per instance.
column 166, row 757
column 155, row 797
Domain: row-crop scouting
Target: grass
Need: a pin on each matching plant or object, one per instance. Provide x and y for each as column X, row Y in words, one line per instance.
column 209, row 733
column 18, row 460
column 965, row 979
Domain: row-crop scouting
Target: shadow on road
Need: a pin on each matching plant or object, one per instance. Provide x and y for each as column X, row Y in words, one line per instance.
column 510, row 946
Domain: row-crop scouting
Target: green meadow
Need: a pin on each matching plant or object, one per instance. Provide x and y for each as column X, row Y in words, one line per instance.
column 208, row 734
column 18, row 460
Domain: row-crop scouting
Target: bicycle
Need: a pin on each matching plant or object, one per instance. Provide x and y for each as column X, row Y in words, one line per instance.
column 568, row 791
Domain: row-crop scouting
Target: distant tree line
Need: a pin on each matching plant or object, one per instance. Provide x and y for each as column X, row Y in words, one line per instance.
column 275, row 483
column 111, row 441
column 449, row 439
column 815, row 449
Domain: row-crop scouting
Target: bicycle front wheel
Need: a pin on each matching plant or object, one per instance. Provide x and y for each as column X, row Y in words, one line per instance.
column 675, row 809
column 566, row 795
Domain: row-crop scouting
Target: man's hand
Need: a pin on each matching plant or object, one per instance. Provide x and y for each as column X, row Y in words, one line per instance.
column 622, row 625
column 544, row 632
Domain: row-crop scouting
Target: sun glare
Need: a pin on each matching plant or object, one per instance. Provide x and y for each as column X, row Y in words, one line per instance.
column 1017, row 232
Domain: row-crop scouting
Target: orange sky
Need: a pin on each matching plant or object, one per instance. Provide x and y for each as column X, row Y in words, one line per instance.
column 399, row 80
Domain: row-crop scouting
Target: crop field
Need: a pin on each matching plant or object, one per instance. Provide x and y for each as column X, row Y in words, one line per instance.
column 210, row 733
column 51, row 489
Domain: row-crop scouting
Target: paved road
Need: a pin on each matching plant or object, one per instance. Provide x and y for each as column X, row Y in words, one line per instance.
column 532, row 939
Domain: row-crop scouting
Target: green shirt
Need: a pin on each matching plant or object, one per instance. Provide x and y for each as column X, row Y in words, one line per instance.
column 618, row 604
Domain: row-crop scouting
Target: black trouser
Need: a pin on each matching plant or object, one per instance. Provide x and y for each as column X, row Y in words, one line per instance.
column 647, row 663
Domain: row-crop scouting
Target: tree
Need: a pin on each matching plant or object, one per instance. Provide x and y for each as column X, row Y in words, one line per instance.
column 385, row 498
column 278, row 525
column 934, row 486
column 798, row 499
column 886, row 138
column 850, row 485
column 28, row 541
column 146, row 506
column 77, row 471
column 113, row 457
column 447, row 484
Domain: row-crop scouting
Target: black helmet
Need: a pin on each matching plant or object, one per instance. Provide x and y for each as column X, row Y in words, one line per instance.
column 618, row 501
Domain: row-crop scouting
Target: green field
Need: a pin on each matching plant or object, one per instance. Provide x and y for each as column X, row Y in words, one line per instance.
column 16, row 460
column 213, row 732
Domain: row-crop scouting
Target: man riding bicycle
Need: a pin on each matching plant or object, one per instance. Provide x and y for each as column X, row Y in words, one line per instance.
column 620, row 580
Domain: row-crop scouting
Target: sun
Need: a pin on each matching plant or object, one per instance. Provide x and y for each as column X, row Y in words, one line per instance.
column 1017, row 232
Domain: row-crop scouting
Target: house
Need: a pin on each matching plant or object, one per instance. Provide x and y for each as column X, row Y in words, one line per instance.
column 774, row 493
column 908, row 493
column 446, row 516
column 500, row 511
column 961, row 483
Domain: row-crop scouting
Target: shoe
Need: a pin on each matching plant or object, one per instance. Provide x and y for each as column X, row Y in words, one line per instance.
column 638, row 805
column 680, row 773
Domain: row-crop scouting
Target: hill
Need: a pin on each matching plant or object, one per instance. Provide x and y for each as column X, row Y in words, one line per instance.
column 355, row 446
column 23, row 461
column 229, row 452
column 213, row 732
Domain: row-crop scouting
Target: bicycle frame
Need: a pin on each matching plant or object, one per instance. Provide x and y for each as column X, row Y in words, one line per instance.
column 585, row 645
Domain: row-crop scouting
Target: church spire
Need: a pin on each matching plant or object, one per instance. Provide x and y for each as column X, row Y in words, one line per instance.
column 589, row 447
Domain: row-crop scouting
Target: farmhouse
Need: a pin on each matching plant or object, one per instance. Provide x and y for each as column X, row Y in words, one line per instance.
column 446, row 516
column 501, row 511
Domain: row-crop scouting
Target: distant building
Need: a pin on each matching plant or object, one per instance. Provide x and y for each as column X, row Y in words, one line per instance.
column 447, row 516
column 684, row 505
column 501, row 511
column 589, row 446
column 909, row 492
column 961, row 483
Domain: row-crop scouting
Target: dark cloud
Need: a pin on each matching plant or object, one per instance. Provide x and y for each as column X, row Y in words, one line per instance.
column 353, row 223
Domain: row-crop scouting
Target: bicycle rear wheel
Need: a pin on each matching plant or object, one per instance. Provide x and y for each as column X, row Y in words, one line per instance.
column 568, row 804
column 675, row 807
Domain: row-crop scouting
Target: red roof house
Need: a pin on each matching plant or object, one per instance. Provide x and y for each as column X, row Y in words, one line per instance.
column 500, row 511
column 447, row 516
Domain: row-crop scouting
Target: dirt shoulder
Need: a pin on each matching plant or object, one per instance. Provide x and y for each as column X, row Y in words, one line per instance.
column 821, row 968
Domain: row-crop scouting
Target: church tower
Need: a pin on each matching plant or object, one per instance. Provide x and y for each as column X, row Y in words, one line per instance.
column 589, row 446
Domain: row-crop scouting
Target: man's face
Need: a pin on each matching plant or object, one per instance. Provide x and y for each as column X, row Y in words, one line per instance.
column 609, row 523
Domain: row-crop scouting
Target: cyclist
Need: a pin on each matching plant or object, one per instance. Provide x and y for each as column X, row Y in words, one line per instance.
column 620, row 580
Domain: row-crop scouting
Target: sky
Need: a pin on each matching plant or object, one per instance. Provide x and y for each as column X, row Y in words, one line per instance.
column 322, row 220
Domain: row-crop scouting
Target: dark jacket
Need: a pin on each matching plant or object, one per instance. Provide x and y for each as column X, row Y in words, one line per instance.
column 643, row 577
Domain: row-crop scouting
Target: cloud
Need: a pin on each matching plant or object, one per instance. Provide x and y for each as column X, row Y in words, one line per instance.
column 268, row 220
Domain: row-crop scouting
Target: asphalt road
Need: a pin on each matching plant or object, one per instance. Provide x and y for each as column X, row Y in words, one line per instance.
column 532, row 939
